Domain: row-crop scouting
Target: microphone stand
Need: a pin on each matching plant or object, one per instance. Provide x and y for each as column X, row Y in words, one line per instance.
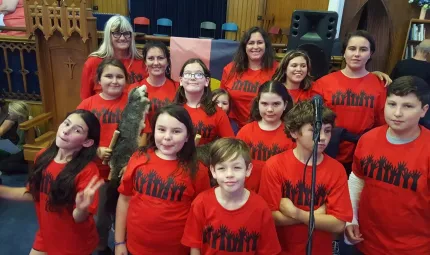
column 311, row 225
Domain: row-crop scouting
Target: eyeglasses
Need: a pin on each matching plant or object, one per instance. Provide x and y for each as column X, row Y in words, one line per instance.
column 193, row 75
column 118, row 34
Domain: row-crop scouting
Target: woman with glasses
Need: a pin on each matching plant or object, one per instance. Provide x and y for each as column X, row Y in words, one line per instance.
column 253, row 64
column 195, row 95
column 118, row 42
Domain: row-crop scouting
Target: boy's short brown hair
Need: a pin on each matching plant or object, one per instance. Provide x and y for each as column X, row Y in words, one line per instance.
column 225, row 148
column 303, row 113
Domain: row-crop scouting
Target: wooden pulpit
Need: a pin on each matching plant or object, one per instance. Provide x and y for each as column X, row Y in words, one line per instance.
column 65, row 34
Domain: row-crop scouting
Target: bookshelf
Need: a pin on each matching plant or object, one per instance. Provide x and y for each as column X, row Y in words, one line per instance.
column 418, row 30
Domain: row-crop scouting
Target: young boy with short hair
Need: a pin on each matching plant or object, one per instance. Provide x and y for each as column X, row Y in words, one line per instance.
column 389, row 185
column 230, row 219
column 286, row 185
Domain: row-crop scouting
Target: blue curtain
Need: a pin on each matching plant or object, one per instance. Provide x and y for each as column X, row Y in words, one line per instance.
column 186, row 15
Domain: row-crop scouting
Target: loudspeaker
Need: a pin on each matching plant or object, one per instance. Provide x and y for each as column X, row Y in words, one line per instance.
column 314, row 32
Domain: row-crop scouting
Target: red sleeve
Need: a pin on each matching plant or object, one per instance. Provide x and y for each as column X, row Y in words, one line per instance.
column 271, row 184
column 356, row 163
column 243, row 134
column 82, row 181
column 38, row 244
column 87, row 78
column 379, row 114
column 126, row 186
column 202, row 181
column 338, row 200
column 317, row 88
column 84, row 105
column 269, row 244
column 223, row 124
column 193, row 231
column 225, row 74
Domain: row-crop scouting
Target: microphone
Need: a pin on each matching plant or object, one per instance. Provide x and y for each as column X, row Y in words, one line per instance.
column 318, row 106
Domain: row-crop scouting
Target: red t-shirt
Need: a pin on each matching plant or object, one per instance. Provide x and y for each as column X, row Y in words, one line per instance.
column 109, row 114
column 58, row 232
column 283, row 177
column 357, row 102
column 210, row 127
column 216, row 230
column 263, row 145
column 136, row 70
column 299, row 95
column 243, row 89
column 159, row 96
column 394, row 204
column 161, row 195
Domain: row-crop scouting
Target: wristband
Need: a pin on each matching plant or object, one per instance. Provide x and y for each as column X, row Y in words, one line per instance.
column 119, row 243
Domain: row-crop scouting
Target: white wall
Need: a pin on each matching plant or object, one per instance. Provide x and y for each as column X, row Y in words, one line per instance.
column 337, row 6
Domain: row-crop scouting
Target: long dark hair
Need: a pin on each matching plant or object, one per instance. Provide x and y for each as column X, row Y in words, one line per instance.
column 110, row 62
column 208, row 106
column 156, row 44
column 187, row 155
column 275, row 87
column 240, row 60
column 281, row 76
column 63, row 190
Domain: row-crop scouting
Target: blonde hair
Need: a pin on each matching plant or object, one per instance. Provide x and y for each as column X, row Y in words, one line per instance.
column 20, row 109
column 114, row 24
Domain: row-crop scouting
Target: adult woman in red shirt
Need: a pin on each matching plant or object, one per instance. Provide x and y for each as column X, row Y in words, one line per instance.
column 253, row 64
column 355, row 95
column 118, row 42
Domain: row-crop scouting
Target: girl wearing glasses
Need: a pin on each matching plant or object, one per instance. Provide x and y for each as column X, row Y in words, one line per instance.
column 195, row 95
column 118, row 42
column 253, row 64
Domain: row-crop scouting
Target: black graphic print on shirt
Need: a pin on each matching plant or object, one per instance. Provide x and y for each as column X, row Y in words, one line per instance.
column 151, row 184
column 383, row 170
column 107, row 116
column 349, row 98
column 157, row 103
column 245, row 86
column 300, row 193
column 203, row 130
column 135, row 77
column 223, row 239
column 259, row 150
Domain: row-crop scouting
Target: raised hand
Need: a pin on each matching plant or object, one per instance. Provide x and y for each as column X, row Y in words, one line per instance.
column 85, row 197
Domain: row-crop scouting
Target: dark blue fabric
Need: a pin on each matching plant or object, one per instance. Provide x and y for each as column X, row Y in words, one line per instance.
column 186, row 15
column 222, row 52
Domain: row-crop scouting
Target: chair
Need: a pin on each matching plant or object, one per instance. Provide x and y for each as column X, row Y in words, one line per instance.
column 267, row 21
column 164, row 22
column 229, row 27
column 143, row 21
column 275, row 32
column 285, row 32
column 32, row 144
column 208, row 25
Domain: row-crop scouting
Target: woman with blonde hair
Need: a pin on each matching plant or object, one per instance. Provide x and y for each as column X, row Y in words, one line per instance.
column 118, row 42
column 18, row 112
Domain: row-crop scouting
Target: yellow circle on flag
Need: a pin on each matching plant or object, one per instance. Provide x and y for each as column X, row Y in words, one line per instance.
column 215, row 83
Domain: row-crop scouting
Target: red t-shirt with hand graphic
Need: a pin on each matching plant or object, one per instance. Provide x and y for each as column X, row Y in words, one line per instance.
column 210, row 127
column 163, row 190
column 108, row 112
column 357, row 102
column 245, row 231
column 243, row 89
column 394, row 205
column 58, row 232
column 283, row 176
column 263, row 145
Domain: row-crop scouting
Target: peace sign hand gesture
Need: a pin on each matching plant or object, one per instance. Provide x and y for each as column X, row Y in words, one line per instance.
column 85, row 197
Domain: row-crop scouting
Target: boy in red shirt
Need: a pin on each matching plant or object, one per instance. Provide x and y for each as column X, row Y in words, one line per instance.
column 390, row 182
column 230, row 219
column 285, row 185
